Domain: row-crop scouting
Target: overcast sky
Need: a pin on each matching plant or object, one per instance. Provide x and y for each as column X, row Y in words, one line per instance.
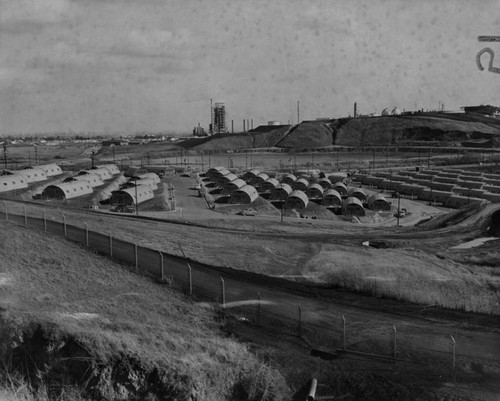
column 153, row 65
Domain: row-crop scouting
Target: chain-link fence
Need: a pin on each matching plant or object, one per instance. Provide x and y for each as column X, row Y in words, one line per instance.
column 280, row 307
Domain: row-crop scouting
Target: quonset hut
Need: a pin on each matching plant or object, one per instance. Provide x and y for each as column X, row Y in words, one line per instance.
column 301, row 185
column 357, row 193
column 32, row 174
column 112, row 168
column 127, row 196
column 67, row 190
column 378, row 202
column 352, row 206
column 315, row 191
column 289, row 179
column 250, row 177
column 340, row 188
column 50, row 169
column 217, row 171
column 224, row 179
column 325, row 183
column 93, row 179
column 12, row 182
column 246, row 194
column 296, row 200
column 331, row 198
column 232, row 186
column 281, row 192
column 269, row 185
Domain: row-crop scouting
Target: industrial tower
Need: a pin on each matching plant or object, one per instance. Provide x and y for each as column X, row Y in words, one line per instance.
column 218, row 118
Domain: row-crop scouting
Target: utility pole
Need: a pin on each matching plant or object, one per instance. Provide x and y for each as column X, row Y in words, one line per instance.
column 5, row 155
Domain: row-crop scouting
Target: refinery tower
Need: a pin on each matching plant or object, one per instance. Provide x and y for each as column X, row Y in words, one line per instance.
column 218, row 118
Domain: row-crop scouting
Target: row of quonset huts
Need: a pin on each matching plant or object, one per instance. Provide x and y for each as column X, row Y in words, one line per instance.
column 55, row 184
column 451, row 187
column 331, row 191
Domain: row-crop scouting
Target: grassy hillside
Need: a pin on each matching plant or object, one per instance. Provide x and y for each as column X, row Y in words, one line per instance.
column 73, row 322
column 308, row 134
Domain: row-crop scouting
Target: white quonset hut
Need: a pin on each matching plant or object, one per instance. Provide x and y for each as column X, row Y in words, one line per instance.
column 325, row 183
column 289, row 179
column 67, row 190
column 93, row 179
column 107, row 191
column 261, row 179
column 352, row 206
column 340, row 188
column 149, row 176
column 127, row 196
column 12, row 182
column 246, row 194
column 232, row 186
column 300, row 185
column 32, row 174
column 269, row 185
column 297, row 200
column 224, row 179
column 281, row 192
column 331, row 198
column 101, row 172
column 378, row 202
column 315, row 191
column 357, row 193
column 149, row 182
column 50, row 169
column 112, row 168
column 251, row 176
column 217, row 171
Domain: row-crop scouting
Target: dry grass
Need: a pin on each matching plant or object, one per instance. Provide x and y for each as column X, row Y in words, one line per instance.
column 112, row 313
column 417, row 277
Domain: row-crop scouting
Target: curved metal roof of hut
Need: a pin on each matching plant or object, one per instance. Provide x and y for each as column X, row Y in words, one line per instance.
column 270, row 184
column 50, row 169
column 301, row 184
column 297, row 199
column 248, row 190
column 340, row 188
column 101, row 172
column 333, row 195
column 353, row 206
column 378, row 201
column 223, row 180
column 350, row 200
column 357, row 192
column 107, row 191
column 281, row 192
column 217, row 171
column 232, row 186
column 325, row 183
column 67, row 190
column 150, row 176
column 289, row 179
column 112, row 168
column 262, row 177
column 12, row 182
column 315, row 191
column 32, row 174
column 127, row 196
column 93, row 179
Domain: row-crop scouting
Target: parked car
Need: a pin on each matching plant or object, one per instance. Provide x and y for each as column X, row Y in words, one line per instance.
column 247, row 212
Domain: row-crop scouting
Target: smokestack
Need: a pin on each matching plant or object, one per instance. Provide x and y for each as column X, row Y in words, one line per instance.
column 355, row 109
column 252, row 122
column 244, row 130
column 232, row 127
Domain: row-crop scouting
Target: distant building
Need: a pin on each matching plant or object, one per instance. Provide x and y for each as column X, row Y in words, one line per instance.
column 114, row 142
column 218, row 118
column 488, row 110
column 199, row 131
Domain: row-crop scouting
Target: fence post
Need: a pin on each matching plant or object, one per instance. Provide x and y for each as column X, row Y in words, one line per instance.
column 6, row 212
column 300, row 319
column 64, row 225
column 44, row 221
column 223, row 289
column 190, row 278
column 343, row 332
column 395, row 351
column 25, row 216
column 87, row 235
column 454, row 355
column 258, row 308
column 136, row 257
column 162, row 269
column 110, row 245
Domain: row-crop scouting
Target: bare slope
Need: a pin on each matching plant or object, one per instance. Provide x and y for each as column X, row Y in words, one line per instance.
column 394, row 130
column 72, row 317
